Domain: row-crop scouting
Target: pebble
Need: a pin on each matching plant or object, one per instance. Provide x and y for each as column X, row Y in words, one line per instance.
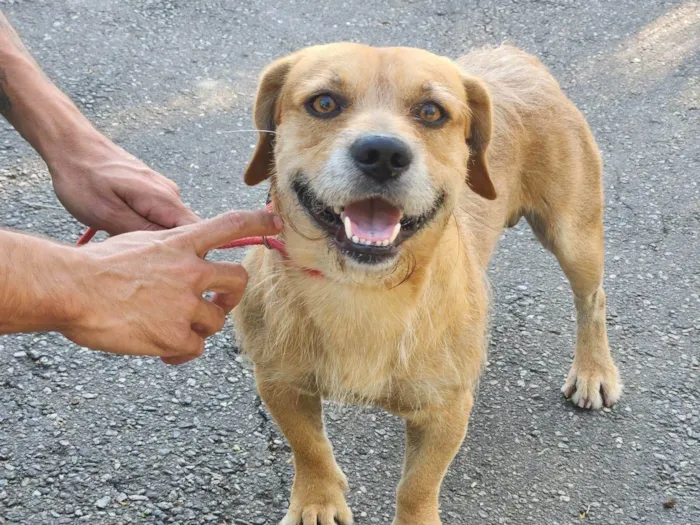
column 103, row 502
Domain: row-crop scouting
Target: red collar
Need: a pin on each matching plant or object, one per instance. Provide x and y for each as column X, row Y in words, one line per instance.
column 268, row 242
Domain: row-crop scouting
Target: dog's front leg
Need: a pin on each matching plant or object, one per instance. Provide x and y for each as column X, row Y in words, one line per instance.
column 318, row 491
column 433, row 439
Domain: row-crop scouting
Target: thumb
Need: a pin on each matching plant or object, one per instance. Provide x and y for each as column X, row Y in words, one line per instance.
column 212, row 233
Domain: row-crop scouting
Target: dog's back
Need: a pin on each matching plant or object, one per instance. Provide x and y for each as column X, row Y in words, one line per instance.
column 541, row 151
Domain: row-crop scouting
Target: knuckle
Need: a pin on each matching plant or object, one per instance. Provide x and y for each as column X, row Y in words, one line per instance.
column 192, row 306
column 235, row 277
column 182, row 333
column 240, row 273
column 198, row 348
column 238, row 220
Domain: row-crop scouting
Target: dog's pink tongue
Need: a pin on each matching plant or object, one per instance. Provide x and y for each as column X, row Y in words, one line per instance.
column 373, row 219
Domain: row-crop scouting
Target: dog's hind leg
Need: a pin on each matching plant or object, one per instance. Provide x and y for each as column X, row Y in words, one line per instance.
column 574, row 233
column 318, row 490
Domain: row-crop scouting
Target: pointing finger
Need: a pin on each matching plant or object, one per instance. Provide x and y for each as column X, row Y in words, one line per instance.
column 212, row 233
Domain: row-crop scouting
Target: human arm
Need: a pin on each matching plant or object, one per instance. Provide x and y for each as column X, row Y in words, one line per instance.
column 139, row 293
column 98, row 182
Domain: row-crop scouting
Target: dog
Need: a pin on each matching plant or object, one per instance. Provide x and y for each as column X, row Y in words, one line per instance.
column 395, row 171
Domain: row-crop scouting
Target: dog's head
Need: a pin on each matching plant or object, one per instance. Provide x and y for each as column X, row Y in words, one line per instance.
column 369, row 150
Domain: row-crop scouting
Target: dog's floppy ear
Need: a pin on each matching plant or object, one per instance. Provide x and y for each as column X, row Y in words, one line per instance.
column 271, row 82
column 478, row 137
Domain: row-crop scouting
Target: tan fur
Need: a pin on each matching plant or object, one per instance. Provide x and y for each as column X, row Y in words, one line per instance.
column 412, row 339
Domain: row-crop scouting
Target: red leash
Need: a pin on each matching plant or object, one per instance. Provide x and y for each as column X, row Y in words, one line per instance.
column 267, row 242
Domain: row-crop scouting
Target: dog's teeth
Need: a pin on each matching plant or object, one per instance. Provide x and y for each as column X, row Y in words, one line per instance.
column 355, row 239
column 365, row 242
column 385, row 242
column 395, row 233
column 337, row 210
column 348, row 228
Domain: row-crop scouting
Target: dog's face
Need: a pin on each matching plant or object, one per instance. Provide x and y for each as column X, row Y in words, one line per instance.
column 370, row 148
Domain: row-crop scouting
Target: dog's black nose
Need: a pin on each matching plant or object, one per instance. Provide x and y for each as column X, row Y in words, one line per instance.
column 381, row 157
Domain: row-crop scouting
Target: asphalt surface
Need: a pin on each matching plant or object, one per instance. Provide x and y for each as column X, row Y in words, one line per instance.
column 100, row 439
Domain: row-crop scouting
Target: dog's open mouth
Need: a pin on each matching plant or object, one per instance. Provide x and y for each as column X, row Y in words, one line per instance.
column 369, row 230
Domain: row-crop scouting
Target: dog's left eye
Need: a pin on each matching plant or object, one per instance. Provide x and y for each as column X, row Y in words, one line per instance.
column 431, row 114
column 323, row 106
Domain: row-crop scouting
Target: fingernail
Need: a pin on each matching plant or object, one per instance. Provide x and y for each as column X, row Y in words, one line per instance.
column 279, row 223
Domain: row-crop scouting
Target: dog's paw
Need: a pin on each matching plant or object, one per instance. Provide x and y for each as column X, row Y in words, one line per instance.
column 593, row 385
column 319, row 514
column 318, row 507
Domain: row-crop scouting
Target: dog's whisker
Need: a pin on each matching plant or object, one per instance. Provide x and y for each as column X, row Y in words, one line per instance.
column 226, row 132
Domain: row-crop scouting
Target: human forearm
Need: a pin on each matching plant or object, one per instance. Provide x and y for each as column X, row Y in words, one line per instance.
column 98, row 182
column 37, row 109
column 38, row 284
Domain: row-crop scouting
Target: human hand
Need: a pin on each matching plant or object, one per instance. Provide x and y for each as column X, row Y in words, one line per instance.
column 108, row 189
column 141, row 293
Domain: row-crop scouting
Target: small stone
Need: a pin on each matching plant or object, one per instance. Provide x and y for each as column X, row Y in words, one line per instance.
column 19, row 354
column 103, row 502
column 35, row 355
column 137, row 497
column 164, row 505
column 121, row 497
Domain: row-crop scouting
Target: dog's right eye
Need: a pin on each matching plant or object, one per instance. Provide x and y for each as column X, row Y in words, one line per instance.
column 323, row 106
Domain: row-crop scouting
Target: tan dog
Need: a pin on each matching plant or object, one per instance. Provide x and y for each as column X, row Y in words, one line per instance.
column 395, row 171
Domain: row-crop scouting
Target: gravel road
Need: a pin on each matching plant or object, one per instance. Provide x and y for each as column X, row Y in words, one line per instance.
column 100, row 439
